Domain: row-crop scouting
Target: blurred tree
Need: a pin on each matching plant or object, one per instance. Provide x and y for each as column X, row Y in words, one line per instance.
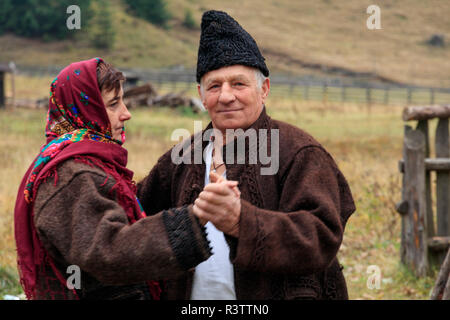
column 101, row 31
column 5, row 10
column 39, row 18
column 189, row 21
column 154, row 11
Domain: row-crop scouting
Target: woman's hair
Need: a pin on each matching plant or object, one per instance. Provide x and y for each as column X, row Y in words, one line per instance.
column 109, row 78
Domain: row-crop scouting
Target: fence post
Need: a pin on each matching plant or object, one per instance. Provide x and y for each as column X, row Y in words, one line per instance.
column 369, row 98
column 414, row 250
column 368, row 95
column 422, row 126
column 325, row 93
column 442, row 179
column 403, row 206
column 386, row 95
column 409, row 96
column 442, row 186
column 159, row 81
column 431, row 96
column 2, row 89
column 343, row 93
column 441, row 290
column 306, row 92
column 174, row 82
column 13, row 68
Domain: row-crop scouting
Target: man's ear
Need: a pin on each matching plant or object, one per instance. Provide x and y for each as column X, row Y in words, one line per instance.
column 200, row 94
column 265, row 88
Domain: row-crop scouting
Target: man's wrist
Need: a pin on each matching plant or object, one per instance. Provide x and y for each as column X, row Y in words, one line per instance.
column 234, row 232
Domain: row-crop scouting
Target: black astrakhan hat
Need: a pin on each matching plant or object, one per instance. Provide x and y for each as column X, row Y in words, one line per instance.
column 223, row 42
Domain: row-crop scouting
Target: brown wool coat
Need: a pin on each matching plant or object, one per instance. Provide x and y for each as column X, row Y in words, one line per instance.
column 80, row 223
column 291, row 223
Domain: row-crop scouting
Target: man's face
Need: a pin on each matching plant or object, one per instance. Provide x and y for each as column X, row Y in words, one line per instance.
column 232, row 96
column 117, row 112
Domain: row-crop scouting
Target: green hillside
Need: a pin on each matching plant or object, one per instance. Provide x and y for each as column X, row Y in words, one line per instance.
column 291, row 35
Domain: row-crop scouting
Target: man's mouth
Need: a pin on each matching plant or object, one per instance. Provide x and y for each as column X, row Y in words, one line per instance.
column 229, row 110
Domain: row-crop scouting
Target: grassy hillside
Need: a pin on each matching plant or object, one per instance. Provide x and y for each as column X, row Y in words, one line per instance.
column 289, row 33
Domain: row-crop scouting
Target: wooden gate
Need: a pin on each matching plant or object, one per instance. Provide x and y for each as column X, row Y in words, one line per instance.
column 425, row 240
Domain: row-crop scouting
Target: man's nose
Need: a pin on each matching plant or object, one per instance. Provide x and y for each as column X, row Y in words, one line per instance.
column 226, row 94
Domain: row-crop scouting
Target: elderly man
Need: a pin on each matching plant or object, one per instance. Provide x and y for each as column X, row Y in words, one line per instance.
column 278, row 236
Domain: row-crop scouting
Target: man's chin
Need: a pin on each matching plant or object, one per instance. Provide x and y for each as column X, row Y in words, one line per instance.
column 230, row 125
column 230, row 121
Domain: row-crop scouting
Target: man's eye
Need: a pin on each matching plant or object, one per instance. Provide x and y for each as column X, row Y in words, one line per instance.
column 214, row 86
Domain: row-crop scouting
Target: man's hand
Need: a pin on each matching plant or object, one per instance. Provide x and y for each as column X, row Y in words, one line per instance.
column 220, row 203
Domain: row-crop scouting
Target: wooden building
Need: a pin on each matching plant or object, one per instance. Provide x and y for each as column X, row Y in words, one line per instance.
column 4, row 69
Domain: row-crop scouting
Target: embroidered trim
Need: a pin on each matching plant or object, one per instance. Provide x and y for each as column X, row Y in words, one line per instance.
column 182, row 238
column 296, row 284
column 331, row 277
column 256, row 200
column 277, row 288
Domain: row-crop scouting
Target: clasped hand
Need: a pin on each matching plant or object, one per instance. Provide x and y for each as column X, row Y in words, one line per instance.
column 220, row 203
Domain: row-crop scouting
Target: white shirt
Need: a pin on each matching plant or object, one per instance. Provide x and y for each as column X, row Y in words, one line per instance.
column 214, row 278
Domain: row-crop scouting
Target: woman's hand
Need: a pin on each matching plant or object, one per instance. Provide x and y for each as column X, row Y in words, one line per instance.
column 215, row 178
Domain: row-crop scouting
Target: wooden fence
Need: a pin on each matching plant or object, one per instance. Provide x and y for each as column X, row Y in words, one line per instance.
column 321, row 89
column 306, row 88
column 425, row 240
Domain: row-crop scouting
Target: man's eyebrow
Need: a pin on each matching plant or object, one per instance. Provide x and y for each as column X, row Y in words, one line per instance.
column 232, row 78
column 209, row 81
column 239, row 77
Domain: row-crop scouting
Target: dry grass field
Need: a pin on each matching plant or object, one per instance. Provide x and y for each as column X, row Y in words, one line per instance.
column 366, row 144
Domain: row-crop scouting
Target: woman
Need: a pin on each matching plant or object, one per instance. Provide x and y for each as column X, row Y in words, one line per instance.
column 76, row 207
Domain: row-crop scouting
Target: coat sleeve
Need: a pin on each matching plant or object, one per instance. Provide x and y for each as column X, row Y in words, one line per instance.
column 82, row 224
column 304, row 234
column 155, row 189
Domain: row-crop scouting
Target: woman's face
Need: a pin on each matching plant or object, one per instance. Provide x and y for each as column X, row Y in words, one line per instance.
column 117, row 112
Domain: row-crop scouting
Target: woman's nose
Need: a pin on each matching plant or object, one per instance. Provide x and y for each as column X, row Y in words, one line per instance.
column 126, row 115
